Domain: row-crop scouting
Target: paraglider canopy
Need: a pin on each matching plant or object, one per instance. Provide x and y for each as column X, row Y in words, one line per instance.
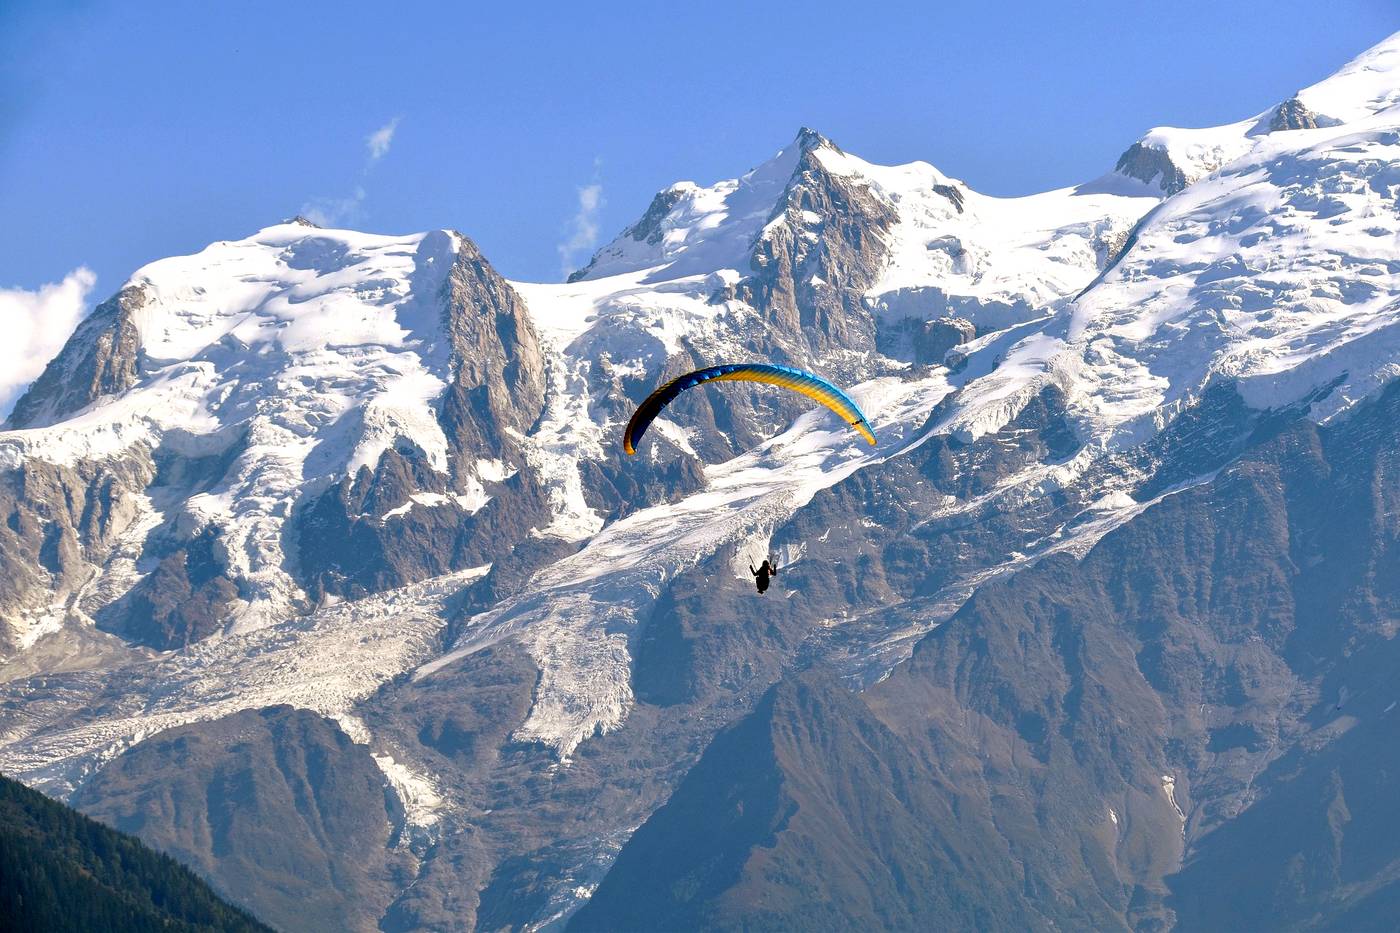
column 799, row 380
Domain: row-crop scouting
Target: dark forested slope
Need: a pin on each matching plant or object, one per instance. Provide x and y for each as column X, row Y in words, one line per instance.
column 60, row 870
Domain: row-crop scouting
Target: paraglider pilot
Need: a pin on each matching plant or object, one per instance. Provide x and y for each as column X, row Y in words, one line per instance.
column 762, row 574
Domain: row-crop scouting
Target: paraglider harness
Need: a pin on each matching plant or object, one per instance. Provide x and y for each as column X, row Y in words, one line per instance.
column 766, row 569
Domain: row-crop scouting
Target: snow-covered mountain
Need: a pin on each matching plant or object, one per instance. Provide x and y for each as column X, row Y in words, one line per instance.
column 1172, row 157
column 367, row 477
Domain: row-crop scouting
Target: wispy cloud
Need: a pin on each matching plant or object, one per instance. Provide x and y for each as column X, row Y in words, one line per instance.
column 36, row 324
column 335, row 212
column 583, row 226
column 381, row 139
column 341, row 211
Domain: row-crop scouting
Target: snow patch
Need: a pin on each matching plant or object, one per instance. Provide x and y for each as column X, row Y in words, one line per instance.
column 418, row 794
column 1169, row 788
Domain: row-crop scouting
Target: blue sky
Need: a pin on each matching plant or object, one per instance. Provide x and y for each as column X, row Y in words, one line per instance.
column 135, row 131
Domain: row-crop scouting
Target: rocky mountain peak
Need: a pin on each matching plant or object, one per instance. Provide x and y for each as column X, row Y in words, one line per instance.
column 101, row 359
column 689, row 229
column 1151, row 166
column 1171, row 158
column 808, row 139
column 1292, row 114
column 823, row 246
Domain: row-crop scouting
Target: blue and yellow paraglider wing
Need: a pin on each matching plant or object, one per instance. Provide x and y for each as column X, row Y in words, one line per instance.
column 799, row 380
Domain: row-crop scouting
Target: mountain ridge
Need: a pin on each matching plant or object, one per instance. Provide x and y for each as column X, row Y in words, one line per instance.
column 60, row 870
column 371, row 479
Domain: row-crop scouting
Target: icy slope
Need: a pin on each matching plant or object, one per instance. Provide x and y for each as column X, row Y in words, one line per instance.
column 995, row 261
column 314, row 305
column 1280, row 272
column 952, row 249
column 689, row 229
column 1366, row 85
column 259, row 349
column 1169, row 158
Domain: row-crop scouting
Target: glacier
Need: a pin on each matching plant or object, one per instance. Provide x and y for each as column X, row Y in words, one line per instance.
column 300, row 357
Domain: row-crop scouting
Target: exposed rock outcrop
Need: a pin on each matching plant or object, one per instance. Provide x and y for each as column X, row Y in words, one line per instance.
column 395, row 525
column 101, row 358
column 277, row 807
column 187, row 597
column 58, row 524
column 498, row 384
column 1152, row 166
column 935, row 338
column 821, row 250
column 647, row 229
column 1292, row 114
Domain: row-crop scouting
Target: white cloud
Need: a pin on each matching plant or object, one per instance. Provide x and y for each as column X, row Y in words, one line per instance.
column 335, row 212
column 381, row 139
column 342, row 212
column 36, row 324
column 583, row 227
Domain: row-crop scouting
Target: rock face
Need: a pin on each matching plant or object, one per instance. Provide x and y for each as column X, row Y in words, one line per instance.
column 276, row 806
column 821, row 249
column 1292, row 114
column 186, row 598
column 497, row 388
column 101, row 358
column 646, row 230
column 775, row 828
column 369, row 532
column 1152, row 166
column 935, row 338
column 397, row 525
column 1096, row 726
column 60, row 524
